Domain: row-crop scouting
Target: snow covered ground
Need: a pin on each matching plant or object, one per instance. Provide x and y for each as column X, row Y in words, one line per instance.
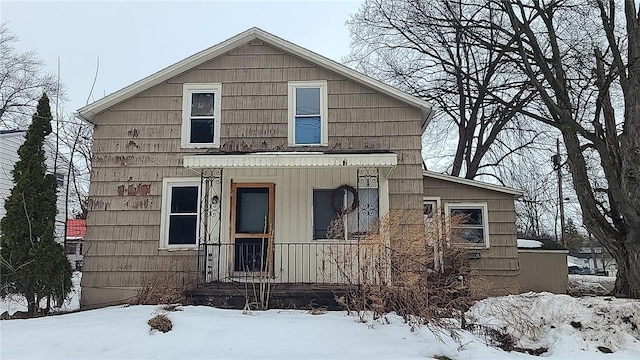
column 568, row 326
column 11, row 304
column 537, row 320
column 590, row 285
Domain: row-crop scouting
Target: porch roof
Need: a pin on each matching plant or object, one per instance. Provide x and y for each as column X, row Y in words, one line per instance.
column 292, row 160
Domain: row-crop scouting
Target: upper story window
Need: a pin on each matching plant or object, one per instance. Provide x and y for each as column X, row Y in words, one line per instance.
column 180, row 213
column 201, row 115
column 308, row 113
column 470, row 223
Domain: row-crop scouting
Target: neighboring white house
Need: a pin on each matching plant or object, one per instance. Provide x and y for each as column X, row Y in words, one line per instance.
column 597, row 262
column 10, row 141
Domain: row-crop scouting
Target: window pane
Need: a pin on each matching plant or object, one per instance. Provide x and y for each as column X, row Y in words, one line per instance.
column 428, row 208
column 323, row 214
column 70, row 247
column 252, row 209
column 475, row 236
column 308, row 130
column 59, row 180
column 468, row 216
column 182, row 229
column 202, row 104
column 184, row 199
column 362, row 220
column 307, row 101
column 201, row 131
column 429, row 213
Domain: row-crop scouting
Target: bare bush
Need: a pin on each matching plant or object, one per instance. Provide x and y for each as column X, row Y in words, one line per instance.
column 162, row 287
column 409, row 269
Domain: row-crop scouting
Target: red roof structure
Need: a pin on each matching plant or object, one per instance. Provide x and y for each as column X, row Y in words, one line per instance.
column 76, row 228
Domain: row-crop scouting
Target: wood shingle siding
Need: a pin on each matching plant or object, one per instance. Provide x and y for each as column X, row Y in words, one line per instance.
column 501, row 258
column 137, row 143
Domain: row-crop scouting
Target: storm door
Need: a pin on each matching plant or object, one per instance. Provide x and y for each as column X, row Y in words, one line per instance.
column 252, row 219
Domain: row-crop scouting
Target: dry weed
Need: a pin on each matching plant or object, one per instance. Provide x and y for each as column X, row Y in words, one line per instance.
column 411, row 269
column 160, row 323
column 171, row 307
column 161, row 288
column 318, row 311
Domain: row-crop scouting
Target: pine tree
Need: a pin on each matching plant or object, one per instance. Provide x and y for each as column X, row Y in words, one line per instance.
column 32, row 263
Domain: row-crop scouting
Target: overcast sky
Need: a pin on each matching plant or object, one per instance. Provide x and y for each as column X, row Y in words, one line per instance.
column 135, row 39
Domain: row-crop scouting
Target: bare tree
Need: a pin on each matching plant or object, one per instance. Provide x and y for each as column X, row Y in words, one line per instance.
column 421, row 47
column 536, row 209
column 75, row 136
column 22, row 82
column 579, row 73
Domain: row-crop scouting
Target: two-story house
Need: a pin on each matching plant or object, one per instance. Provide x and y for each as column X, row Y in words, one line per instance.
column 240, row 158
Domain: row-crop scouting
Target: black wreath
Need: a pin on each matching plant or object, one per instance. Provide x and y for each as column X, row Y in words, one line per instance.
column 339, row 192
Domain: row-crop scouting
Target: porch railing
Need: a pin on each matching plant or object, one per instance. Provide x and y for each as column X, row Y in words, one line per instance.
column 328, row 263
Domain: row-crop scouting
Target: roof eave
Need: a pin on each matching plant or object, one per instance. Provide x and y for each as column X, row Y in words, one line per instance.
column 88, row 112
column 503, row 189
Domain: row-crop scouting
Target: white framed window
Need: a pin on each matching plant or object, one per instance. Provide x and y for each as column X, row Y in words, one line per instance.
column 180, row 213
column 201, row 115
column 308, row 113
column 431, row 211
column 332, row 219
column 470, row 226
column 431, row 207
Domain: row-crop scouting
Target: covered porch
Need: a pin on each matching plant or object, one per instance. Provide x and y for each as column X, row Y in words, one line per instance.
column 292, row 219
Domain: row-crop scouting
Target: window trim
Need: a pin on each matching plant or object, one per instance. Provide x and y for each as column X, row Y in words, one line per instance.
column 167, row 185
column 485, row 221
column 438, row 209
column 431, row 199
column 187, row 90
column 292, row 86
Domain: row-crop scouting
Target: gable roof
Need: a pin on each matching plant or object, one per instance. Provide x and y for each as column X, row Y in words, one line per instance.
column 474, row 183
column 89, row 111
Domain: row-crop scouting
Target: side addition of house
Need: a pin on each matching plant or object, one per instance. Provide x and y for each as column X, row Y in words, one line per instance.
column 487, row 226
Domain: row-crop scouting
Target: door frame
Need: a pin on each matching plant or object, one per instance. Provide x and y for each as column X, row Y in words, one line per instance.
column 267, row 235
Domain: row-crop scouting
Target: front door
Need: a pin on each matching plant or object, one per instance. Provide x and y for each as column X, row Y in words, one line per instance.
column 252, row 219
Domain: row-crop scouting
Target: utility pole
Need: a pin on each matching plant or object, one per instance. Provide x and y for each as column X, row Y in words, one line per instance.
column 557, row 165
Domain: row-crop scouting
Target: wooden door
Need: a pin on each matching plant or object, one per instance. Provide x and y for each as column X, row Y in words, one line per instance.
column 252, row 219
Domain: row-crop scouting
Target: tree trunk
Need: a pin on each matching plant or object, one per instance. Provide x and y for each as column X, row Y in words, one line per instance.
column 31, row 303
column 628, row 260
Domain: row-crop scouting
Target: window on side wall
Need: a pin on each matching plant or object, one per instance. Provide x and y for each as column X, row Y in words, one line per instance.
column 201, row 115
column 308, row 113
column 431, row 216
column 469, row 224
column 59, row 180
column 329, row 204
column 70, row 247
column 181, row 200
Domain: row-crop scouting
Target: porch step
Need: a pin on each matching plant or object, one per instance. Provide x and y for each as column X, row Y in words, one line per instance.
column 283, row 296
